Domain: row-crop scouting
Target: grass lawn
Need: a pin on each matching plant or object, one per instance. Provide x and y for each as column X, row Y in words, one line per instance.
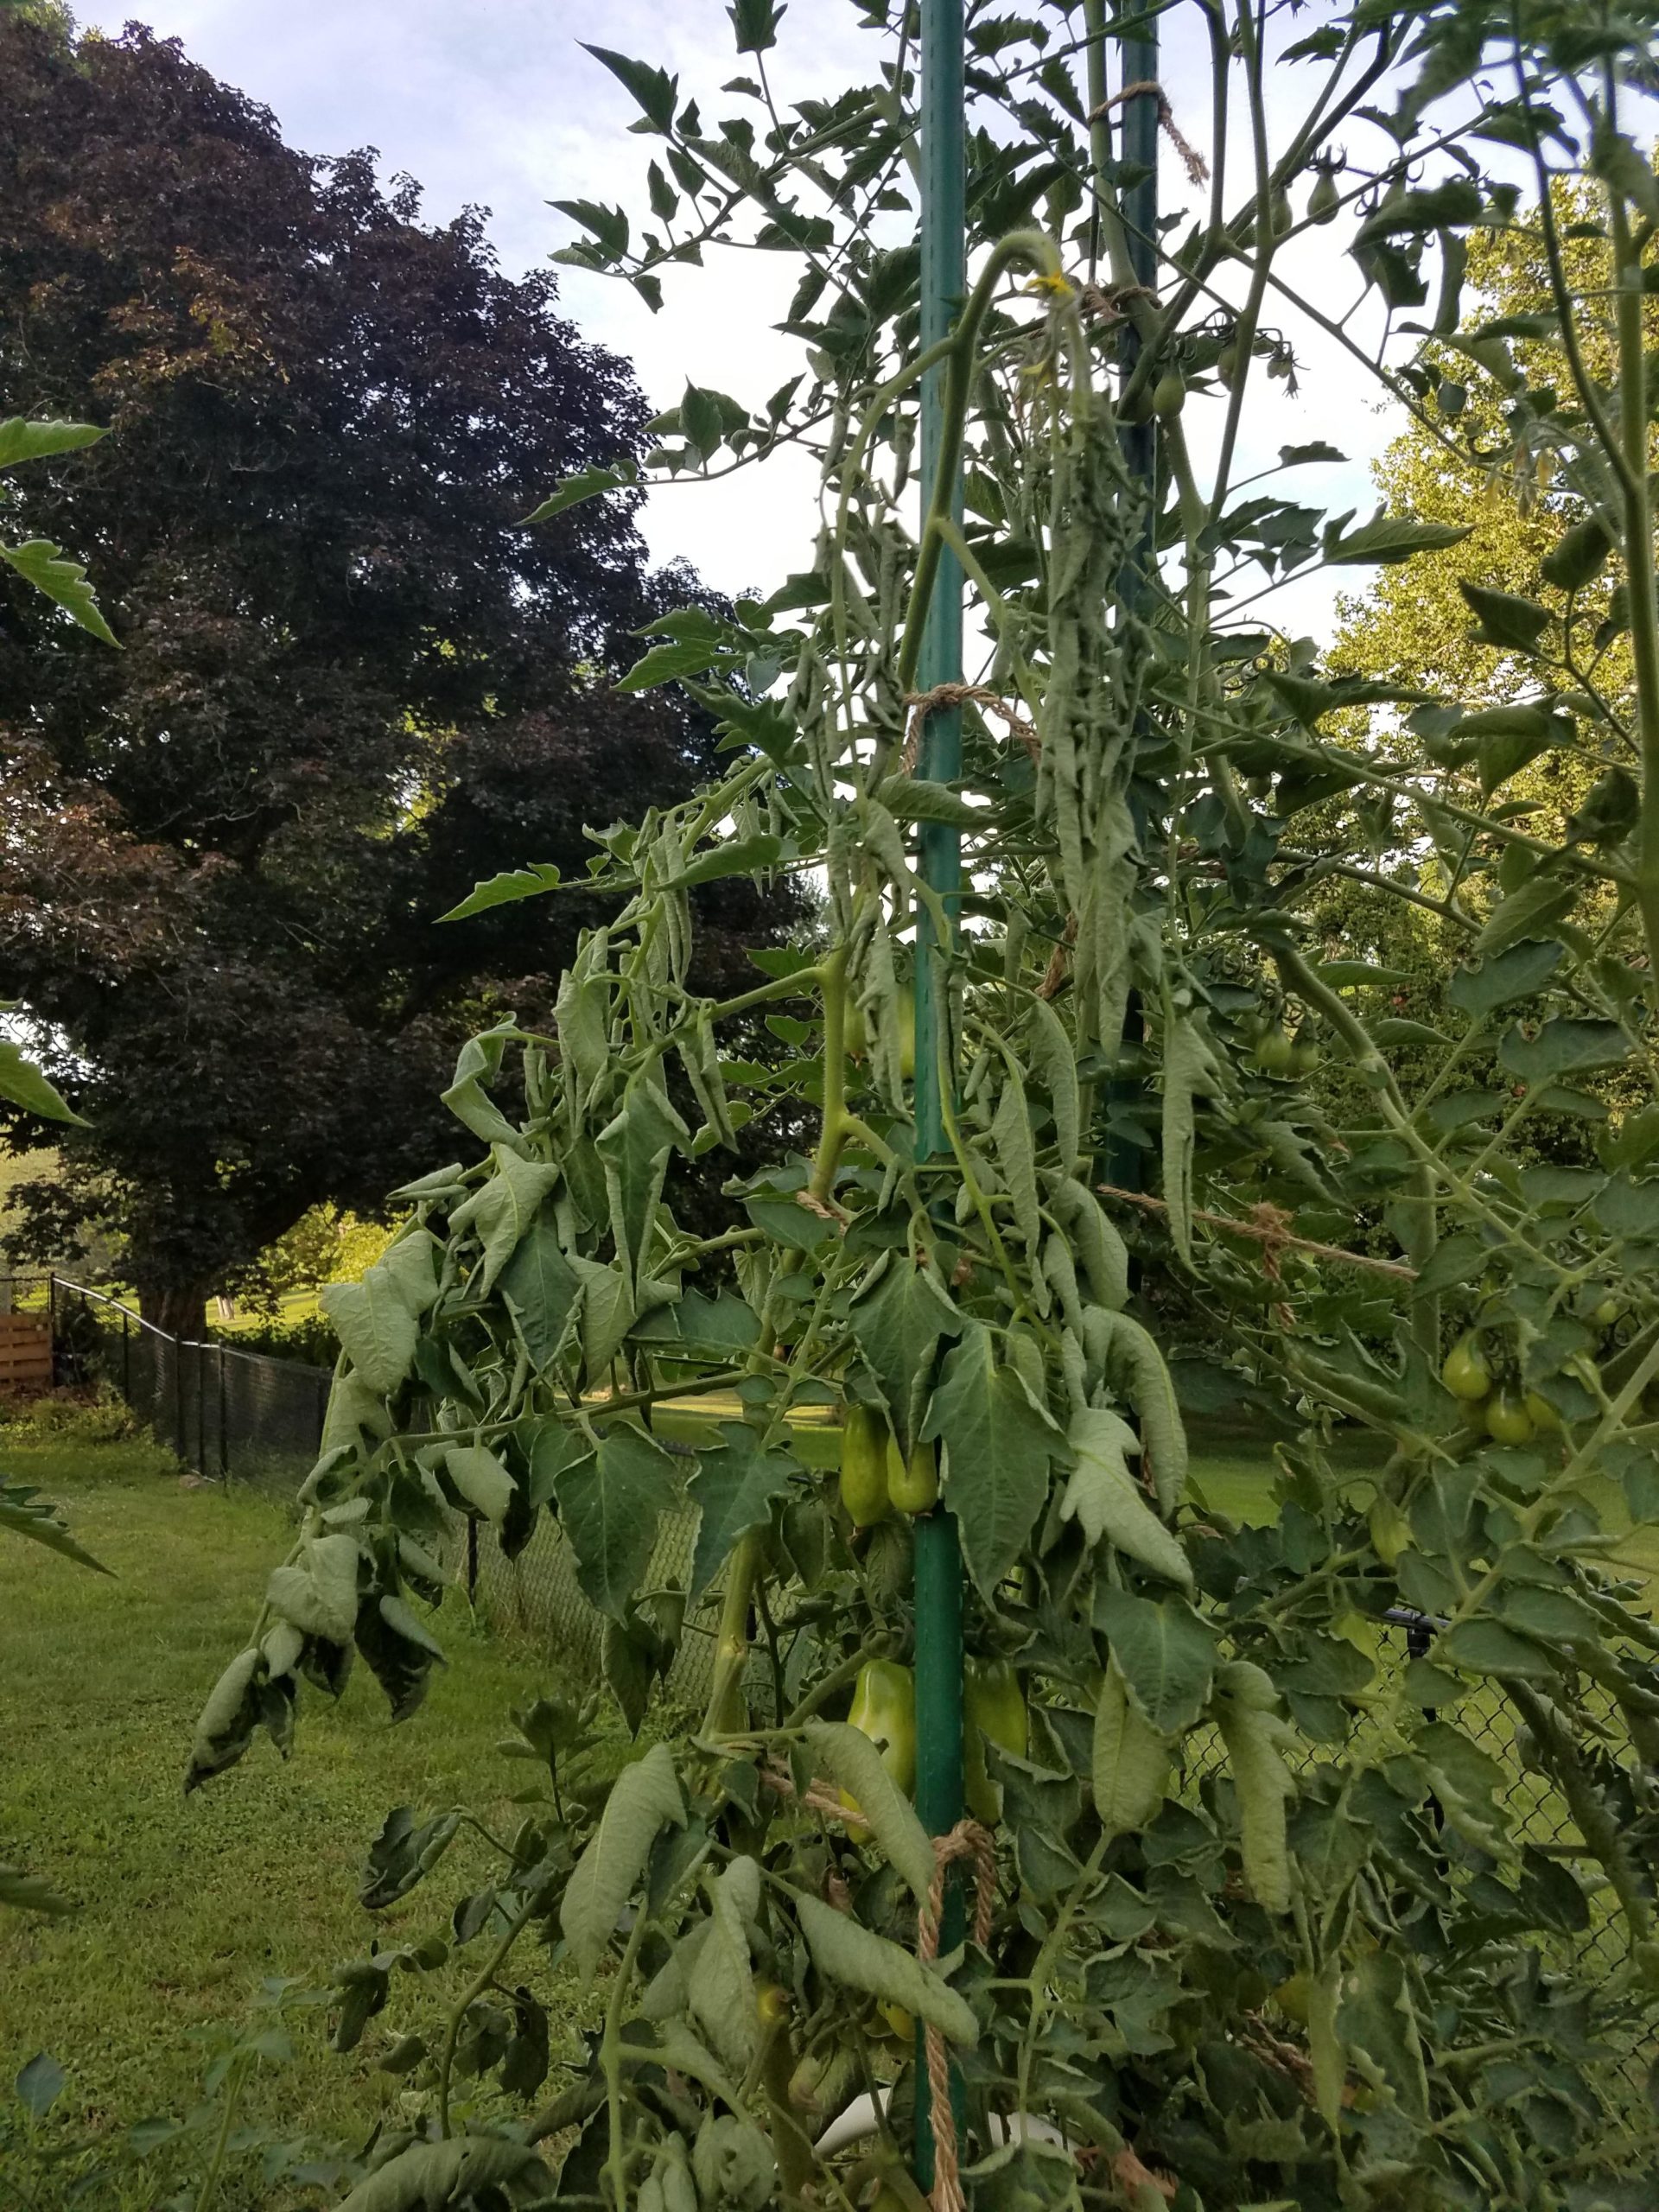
column 184, row 1904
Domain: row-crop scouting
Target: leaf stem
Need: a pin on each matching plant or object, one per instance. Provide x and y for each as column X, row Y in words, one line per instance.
column 469, row 1997
column 616, row 2168
column 1035, row 246
column 233, row 2086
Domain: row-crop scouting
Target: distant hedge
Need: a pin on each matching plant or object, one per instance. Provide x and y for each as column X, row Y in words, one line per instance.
column 310, row 1338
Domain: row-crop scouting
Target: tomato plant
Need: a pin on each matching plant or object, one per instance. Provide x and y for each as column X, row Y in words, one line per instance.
column 1327, row 1972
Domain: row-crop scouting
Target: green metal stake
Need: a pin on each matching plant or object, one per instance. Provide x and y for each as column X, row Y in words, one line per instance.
column 1138, row 49
column 1138, row 45
column 1123, row 1160
column 938, row 1552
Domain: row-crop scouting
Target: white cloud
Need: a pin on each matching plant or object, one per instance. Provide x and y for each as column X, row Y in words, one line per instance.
column 496, row 103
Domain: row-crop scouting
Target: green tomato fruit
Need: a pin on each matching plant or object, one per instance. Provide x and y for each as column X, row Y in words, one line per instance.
column 865, row 1441
column 1508, row 1420
column 1274, row 1053
column 1390, row 1530
column 914, row 1483
column 1325, row 199
column 1292, row 1998
column 884, row 1709
column 1169, row 395
column 1465, row 1371
column 1281, row 214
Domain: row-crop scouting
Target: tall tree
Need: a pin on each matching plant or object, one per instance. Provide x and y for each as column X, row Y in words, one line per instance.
column 1470, row 459
column 349, row 686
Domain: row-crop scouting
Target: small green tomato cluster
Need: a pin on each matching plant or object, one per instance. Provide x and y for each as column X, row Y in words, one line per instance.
column 1509, row 1415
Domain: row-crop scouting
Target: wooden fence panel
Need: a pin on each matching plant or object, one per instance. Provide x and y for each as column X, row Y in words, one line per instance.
column 25, row 1353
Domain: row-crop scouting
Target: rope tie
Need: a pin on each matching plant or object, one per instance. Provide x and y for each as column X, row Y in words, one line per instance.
column 817, row 1797
column 1054, row 974
column 1106, row 301
column 1268, row 1226
column 923, row 703
column 1195, row 162
column 966, row 1840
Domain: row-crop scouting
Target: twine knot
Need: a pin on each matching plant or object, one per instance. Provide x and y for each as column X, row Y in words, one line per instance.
column 923, row 703
column 1196, row 168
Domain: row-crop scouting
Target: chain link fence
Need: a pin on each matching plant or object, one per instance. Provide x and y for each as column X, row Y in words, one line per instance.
column 245, row 1417
column 537, row 1595
column 233, row 1416
column 1532, row 1810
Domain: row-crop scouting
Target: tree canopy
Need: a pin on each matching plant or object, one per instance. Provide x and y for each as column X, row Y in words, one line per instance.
column 348, row 686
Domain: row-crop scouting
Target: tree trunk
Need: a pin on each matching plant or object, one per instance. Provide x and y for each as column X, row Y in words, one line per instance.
column 181, row 1309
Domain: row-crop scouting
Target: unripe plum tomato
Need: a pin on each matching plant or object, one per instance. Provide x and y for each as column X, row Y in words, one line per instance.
column 1508, row 1420
column 914, row 1483
column 884, row 1709
column 1304, row 1055
column 1275, row 1052
column 1465, row 1371
column 865, row 1439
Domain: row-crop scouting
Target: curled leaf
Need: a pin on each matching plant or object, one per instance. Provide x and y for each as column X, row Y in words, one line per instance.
column 847, row 1952
column 850, row 1760
column 644, row 1798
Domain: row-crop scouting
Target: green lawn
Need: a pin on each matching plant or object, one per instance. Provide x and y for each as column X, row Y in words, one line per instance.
column 186, row 1905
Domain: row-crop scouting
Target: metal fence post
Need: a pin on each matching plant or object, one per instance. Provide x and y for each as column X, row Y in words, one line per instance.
column 224, row 1424
column 178, row 1394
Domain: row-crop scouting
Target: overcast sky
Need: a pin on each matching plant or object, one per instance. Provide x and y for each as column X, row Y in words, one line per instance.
column 494, row 103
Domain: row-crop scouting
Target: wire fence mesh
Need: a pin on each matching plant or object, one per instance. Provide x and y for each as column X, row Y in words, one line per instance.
column 230, row 1416
column 537, row 1593
column 246, row 1418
